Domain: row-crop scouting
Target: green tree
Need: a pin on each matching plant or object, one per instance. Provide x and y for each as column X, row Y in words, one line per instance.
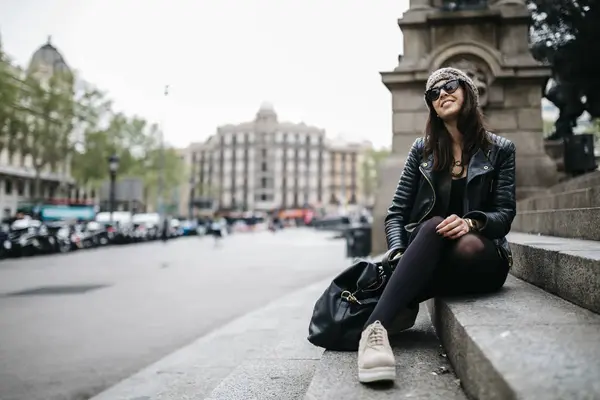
column 9, row 88
column 157, row 159
column 137, row 144
column 92, row 110
column 48, row 123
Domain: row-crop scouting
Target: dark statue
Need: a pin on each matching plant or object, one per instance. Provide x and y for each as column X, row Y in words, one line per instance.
column 572, row 97
column 564, row 35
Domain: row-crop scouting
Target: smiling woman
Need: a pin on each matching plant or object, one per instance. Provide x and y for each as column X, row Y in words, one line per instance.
column 447, row 223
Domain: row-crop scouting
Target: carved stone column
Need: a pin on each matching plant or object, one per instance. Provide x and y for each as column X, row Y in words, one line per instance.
column 491, row 45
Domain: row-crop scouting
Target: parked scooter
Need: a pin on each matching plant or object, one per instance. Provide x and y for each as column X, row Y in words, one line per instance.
column 61, row 231
column 24, row 237
column 5, row 243
column 98, row 234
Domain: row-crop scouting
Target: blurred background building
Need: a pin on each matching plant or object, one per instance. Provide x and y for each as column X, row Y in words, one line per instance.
column 267, row 164
column 17, row 172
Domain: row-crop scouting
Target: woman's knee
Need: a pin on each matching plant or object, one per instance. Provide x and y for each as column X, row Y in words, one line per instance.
column 470, row 246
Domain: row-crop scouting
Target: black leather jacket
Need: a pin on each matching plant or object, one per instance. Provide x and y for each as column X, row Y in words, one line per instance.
column 489, row 195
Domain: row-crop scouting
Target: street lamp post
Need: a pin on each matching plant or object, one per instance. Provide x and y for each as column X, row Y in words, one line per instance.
column 191, row 201
column 113, row 167
column 161, row 174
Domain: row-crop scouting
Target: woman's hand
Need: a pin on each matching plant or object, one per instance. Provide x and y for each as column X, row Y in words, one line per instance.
column 453, row 227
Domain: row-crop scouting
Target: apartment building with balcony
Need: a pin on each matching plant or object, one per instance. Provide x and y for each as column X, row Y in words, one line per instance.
column 266, row 164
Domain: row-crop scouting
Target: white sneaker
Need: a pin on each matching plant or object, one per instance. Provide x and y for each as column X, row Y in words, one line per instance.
column 376, row 360
column 404, row 320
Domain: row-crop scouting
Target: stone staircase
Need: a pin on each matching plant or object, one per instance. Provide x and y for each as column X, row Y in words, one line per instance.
column 539, row 338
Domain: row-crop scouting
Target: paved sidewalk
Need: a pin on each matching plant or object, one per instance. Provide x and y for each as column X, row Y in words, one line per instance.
column 263, row 354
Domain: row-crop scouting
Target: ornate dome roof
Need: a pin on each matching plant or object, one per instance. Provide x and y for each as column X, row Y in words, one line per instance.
column 266, row 111
column 266, row 106
column 48, row 59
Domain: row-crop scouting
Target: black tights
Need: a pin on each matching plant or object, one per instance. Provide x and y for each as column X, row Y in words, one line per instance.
column 436, row 266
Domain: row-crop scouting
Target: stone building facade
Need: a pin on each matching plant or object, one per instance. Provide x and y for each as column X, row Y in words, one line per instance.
column 266, row 164
column 16, row 169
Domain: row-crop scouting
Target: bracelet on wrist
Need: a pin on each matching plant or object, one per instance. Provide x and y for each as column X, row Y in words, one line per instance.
column 472, row 224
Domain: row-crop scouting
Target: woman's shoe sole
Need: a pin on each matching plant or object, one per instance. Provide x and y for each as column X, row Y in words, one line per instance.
column 376, row 374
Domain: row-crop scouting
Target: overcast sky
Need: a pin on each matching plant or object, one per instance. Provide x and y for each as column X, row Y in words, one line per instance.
column 316, row 61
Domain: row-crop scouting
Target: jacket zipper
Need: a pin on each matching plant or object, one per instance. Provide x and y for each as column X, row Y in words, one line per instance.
column 434, row 198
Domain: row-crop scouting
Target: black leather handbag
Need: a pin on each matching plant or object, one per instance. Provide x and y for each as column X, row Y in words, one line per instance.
column 343, row 309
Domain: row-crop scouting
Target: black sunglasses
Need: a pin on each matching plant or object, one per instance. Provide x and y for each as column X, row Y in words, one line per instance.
column 449, row 87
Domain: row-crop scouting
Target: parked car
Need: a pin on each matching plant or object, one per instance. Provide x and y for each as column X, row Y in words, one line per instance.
column 189, row 227
column 176, row 229
column 148, row 225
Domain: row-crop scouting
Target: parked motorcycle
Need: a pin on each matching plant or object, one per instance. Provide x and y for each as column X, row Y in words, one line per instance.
column 99, row 234
column 61, row 231
column 24, row 237
column 5, row 243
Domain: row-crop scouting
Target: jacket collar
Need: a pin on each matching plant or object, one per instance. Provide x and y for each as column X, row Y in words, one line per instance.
column 478, row 165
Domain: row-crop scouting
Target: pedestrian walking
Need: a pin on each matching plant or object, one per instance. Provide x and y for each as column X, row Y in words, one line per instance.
column 165, row 231
column 217, row 229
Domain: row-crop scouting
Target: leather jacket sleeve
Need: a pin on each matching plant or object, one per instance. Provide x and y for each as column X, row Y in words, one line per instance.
column 497, row 222
column 403, row 200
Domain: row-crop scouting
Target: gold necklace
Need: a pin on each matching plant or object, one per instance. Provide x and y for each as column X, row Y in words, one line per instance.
column 456, row 164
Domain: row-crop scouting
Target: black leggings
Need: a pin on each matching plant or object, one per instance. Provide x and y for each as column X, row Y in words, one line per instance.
column 433, row 265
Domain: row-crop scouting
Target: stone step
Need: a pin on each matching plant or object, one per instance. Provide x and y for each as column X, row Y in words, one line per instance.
column 576, row 223
column 581, row 182
column 521, row 343
column 422, row 368
column 569, row 268
column 261, row 355
column 580, row 198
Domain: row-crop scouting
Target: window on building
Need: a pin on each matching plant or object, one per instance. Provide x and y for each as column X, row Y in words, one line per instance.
column 263, row 153
column 20, row 188
column 263, row 167
column 263, row 197
column 263, row 183
column 8, row 186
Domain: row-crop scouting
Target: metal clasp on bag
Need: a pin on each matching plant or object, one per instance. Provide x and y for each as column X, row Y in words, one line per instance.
column 349, row 297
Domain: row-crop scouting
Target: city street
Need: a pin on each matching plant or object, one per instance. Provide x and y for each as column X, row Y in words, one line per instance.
column 72, row 325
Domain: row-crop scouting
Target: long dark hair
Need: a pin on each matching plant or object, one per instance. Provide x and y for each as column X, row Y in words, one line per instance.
column 470, row 123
